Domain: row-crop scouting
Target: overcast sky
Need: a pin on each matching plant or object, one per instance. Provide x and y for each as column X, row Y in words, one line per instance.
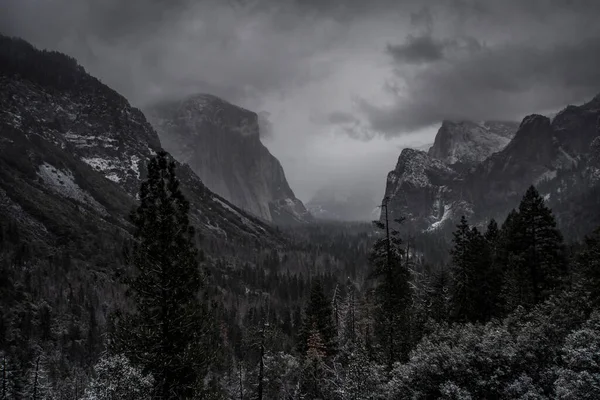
column 345, row 84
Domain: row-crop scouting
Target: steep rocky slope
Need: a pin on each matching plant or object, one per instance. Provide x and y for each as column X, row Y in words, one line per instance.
column 73, row 153
column 221, row 143
column 468, row 143
column 420, row 189
column 555, row 155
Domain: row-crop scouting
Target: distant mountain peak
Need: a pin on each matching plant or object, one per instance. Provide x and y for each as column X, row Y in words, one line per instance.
column 468, row 142
column 198, row 111
column 220, row 141
column 560, row 156
column 534, row 120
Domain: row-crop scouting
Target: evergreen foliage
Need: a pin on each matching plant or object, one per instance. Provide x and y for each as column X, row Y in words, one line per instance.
column 115, row 378
column 472, row 270
column 534, row 253
column 167, row 332
column 318, row 324
column 392, row 296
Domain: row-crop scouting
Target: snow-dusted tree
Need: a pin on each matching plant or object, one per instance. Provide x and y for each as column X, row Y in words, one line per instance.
column 347, row 315
column 117, row 379
column 451, row 391
column 13, row 379
column 524, row 388
column 313, row 370
column 258, row 342
column 281, row 374
column 580, row 377
column 353, row 375
column 4, row 375
column 38, row 384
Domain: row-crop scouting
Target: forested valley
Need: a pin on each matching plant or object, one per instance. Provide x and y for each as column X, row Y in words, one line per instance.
column 342, row 311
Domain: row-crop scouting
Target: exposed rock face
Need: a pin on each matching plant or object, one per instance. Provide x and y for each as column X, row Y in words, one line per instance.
column 534, row 155
column 73, row 153
column 576, row 126
column 419, row 190
column 469, row 143
column 221, row 143
column 557, row 156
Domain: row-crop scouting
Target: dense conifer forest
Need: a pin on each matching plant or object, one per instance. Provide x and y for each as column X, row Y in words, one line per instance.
column 344, row 311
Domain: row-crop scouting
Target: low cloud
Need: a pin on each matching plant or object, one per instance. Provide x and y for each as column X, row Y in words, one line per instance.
column 418, row 50
column 265, row 125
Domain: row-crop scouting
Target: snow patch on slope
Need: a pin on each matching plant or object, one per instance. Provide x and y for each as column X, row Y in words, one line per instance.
column 90, row 141
column 98, row 163
column 63, row 183
column 546, row 176
column 445, row 217
column 135, row 166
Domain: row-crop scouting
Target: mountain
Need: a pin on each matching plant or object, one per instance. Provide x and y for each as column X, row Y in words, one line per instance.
column 221, row 144
column 419, row 189
column 468, row 143
column 433, row 190
column 534, row 155
column 334, row 202
column 73, row 154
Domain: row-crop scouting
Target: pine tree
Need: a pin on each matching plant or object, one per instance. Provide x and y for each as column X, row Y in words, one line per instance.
column 318, row 315
column 481, row 290
column 471, row 275
column 588, row 265
column 313, row 370
column 545, row 251
column 494, row 276
column 462, row 274
column 392, row 295
column 534, row 253
column 440, row 294
column 38, row 384
column 347, row 331
column 166, row 334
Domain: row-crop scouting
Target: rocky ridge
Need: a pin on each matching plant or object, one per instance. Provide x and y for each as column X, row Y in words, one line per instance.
column 555, row 155
column 468, row 143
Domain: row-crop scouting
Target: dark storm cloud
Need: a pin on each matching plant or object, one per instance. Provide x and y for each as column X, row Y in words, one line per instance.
column 501, row 83
column 237, row 49
column 550, row 57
